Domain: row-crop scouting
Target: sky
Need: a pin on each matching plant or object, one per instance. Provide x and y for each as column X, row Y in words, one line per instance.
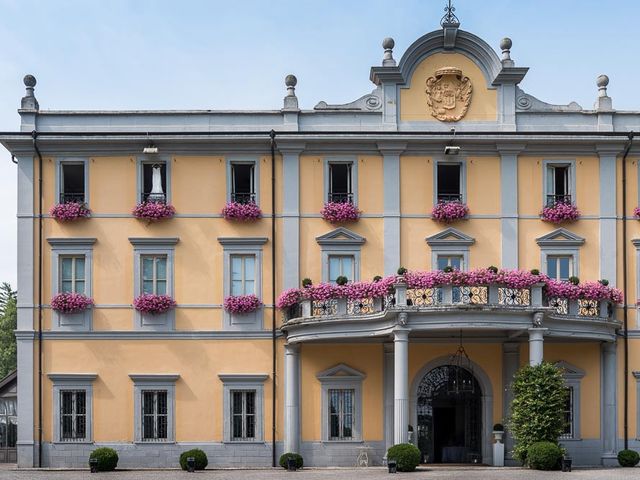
column 190, row 54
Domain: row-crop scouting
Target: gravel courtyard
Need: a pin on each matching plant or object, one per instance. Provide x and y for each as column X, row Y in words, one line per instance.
column 8, row 473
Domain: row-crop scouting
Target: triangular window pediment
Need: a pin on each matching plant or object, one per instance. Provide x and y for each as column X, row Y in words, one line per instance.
column 341, row 236
column 450, row 237
column 341, row 372
column 560, row 237
column 569, row 371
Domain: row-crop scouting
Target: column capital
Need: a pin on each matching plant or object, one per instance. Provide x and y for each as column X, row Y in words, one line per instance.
column 291, row 349
column 609, row 347
column 609, row 150
column 537, row 332
column 391, row 148
column 510, row 148
column 290, row 148
column 401, row 334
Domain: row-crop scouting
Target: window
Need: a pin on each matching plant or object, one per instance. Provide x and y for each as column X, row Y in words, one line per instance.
column 341, row 414
column 72, row 182
column 243, row 274
column 243, row 182
column 154, row 415
column 568, row 414
column 340, row 182
column 454, row 261
column 8, row 422
column 559, row 267
column 73, row 415
column 558, row 184
column 154, row 274
column 72, row 274
column 341, row 265
column 243, row 415
column 154, row 182
column 449, row 182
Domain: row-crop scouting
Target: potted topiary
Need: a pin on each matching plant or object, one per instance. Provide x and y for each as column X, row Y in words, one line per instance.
column 290, row 461
column 103, row 459
column 628, row 458
column 405, row 455
column 200, row 459
column 342, row 280
column 544, row 456
column 498, row 432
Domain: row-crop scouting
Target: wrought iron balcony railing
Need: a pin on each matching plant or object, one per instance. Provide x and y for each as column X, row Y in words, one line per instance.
column 340, row 197
column 71, row 197
column 449, row 197
column 554, row 199
column 156, row 197
column 243, row 197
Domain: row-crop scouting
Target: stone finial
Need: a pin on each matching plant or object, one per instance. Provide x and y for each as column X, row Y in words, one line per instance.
column 387, row 59
column 603, row 102
column 29, row 101
column 602, row 81
column 291, row 101
column 505, row 46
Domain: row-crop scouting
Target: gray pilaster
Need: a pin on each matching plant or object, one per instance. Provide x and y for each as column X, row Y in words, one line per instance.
column 536, row 345
column 608, row 239
column 510, row 365
column 388, row 393
column 26, row 446
column 391, row 169
column 292, row 398
column 401, row 386
column 609, row 420
column 291, row 214
column 509, row 203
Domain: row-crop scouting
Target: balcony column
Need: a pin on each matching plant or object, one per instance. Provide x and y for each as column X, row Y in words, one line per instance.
column 608, row 421
column 292, row 398
column 388, row 394
column 536, row 345
column 401, row 386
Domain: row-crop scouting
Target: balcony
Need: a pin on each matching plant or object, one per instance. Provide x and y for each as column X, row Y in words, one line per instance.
column 555, row 199
column 72, row 197
column 340, row 197
column 494, row 310
column 243, row 198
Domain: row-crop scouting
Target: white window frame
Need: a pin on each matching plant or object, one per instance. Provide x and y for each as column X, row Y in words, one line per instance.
column 242, row 246
column 236, row 382
column 557, row 258
column 560, row 242
column 636, row 375
column 153, row 246
column 70, row 247
column 450, row 242
column 340, row 241
column 571, row 182
column 243, row 414
column 348, row 159
column 243, row 159
column 155, row 392
column 572, row 379
column 154, row 277
column 74, row 272
column 343, row 392
column 59, row 176
column 449, row 256
column 443, row 160
column 151, row 160
column 243, row 257
column 340, row 257
column 72, row 381
column 148, row 382
column 341, row 377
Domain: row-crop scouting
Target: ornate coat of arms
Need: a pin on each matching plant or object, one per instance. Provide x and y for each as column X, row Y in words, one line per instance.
column 448, row 94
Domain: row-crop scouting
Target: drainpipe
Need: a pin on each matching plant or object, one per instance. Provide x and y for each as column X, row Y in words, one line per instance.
column 34, row 135
column 272, row 136
column 625, row 314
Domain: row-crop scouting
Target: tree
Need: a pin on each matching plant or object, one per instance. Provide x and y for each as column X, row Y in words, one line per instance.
column 8, row 323
column 537, row 409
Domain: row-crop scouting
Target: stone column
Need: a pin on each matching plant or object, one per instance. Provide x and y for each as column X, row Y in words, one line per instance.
column 536, row 345
column 609, row 431
column 401, row 386
column 388, row 394
column 510, row 365
column 292, row 398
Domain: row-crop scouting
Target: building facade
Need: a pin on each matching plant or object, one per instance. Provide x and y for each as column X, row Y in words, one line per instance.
column 446, row 132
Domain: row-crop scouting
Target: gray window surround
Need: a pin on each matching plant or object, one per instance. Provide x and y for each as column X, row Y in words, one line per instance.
column 243, row 381
column 450, row 241
column 152, row 381
column 153, row 246
column 61, row 247
column 636, row 244
column 353, row 160
column 571, row 163
column 244, row 246
column 462, row 161
column 341, row 376
column 151, row 159
column 560, row 242
column 246, row 159
column 572, row 378
column 72, row 381
column 636, row 375
column 71, row 160
column 340, row 241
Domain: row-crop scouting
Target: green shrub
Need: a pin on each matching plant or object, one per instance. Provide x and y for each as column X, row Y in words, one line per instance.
column 200, row 457
column 537, row 407
column 535, row 271
column 377, row 278
column 286, row 456
column 574, row 280
column 107, row 459
column 498, row 427
column 342, row 280
column 544, row 456
column 306, row 282
column 628, row 458
column 406, row 456
column 604, row 281
column 402, row 271
column 493, row 269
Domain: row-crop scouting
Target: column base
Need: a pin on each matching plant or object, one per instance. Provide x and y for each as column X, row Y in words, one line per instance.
column 609, row 460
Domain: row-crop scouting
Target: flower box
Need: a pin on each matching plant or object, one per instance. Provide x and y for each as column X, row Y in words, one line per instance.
column 244, row 212
column 560, row 212
column 340, row 212
column 69, row 211
column 241, row 304
column 154, row 304
column 153, row 211
column 69, row 302
column 447, row 212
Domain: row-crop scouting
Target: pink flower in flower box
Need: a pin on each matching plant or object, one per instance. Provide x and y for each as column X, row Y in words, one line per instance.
column 69, row 211
column 560, row 212
column 340, row 212
column 240, row 304
column 153, row 211
column 69, row 302
column 447, row 212
column 244, row 212
column 154, row 304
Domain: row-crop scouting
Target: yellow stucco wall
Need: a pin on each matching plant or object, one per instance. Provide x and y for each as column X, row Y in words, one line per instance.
column 413, row 100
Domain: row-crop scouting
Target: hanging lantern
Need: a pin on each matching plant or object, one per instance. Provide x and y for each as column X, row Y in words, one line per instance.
column 460, row 379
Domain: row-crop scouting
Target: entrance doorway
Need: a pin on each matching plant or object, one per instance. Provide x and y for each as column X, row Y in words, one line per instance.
column 449, row 419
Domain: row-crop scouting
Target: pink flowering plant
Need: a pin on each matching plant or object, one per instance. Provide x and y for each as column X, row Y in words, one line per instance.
column 636, row 213
column 240, row 304
column 244, row 212
column 70, row 302
column 447, row 212
column 288, row 298
column 154, row 304
column 560, row 212
column 69, row 211
column 340, row 212
column 153, row 211
column 587, row 290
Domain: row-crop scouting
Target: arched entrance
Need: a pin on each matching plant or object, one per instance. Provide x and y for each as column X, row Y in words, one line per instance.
column 449, row 419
